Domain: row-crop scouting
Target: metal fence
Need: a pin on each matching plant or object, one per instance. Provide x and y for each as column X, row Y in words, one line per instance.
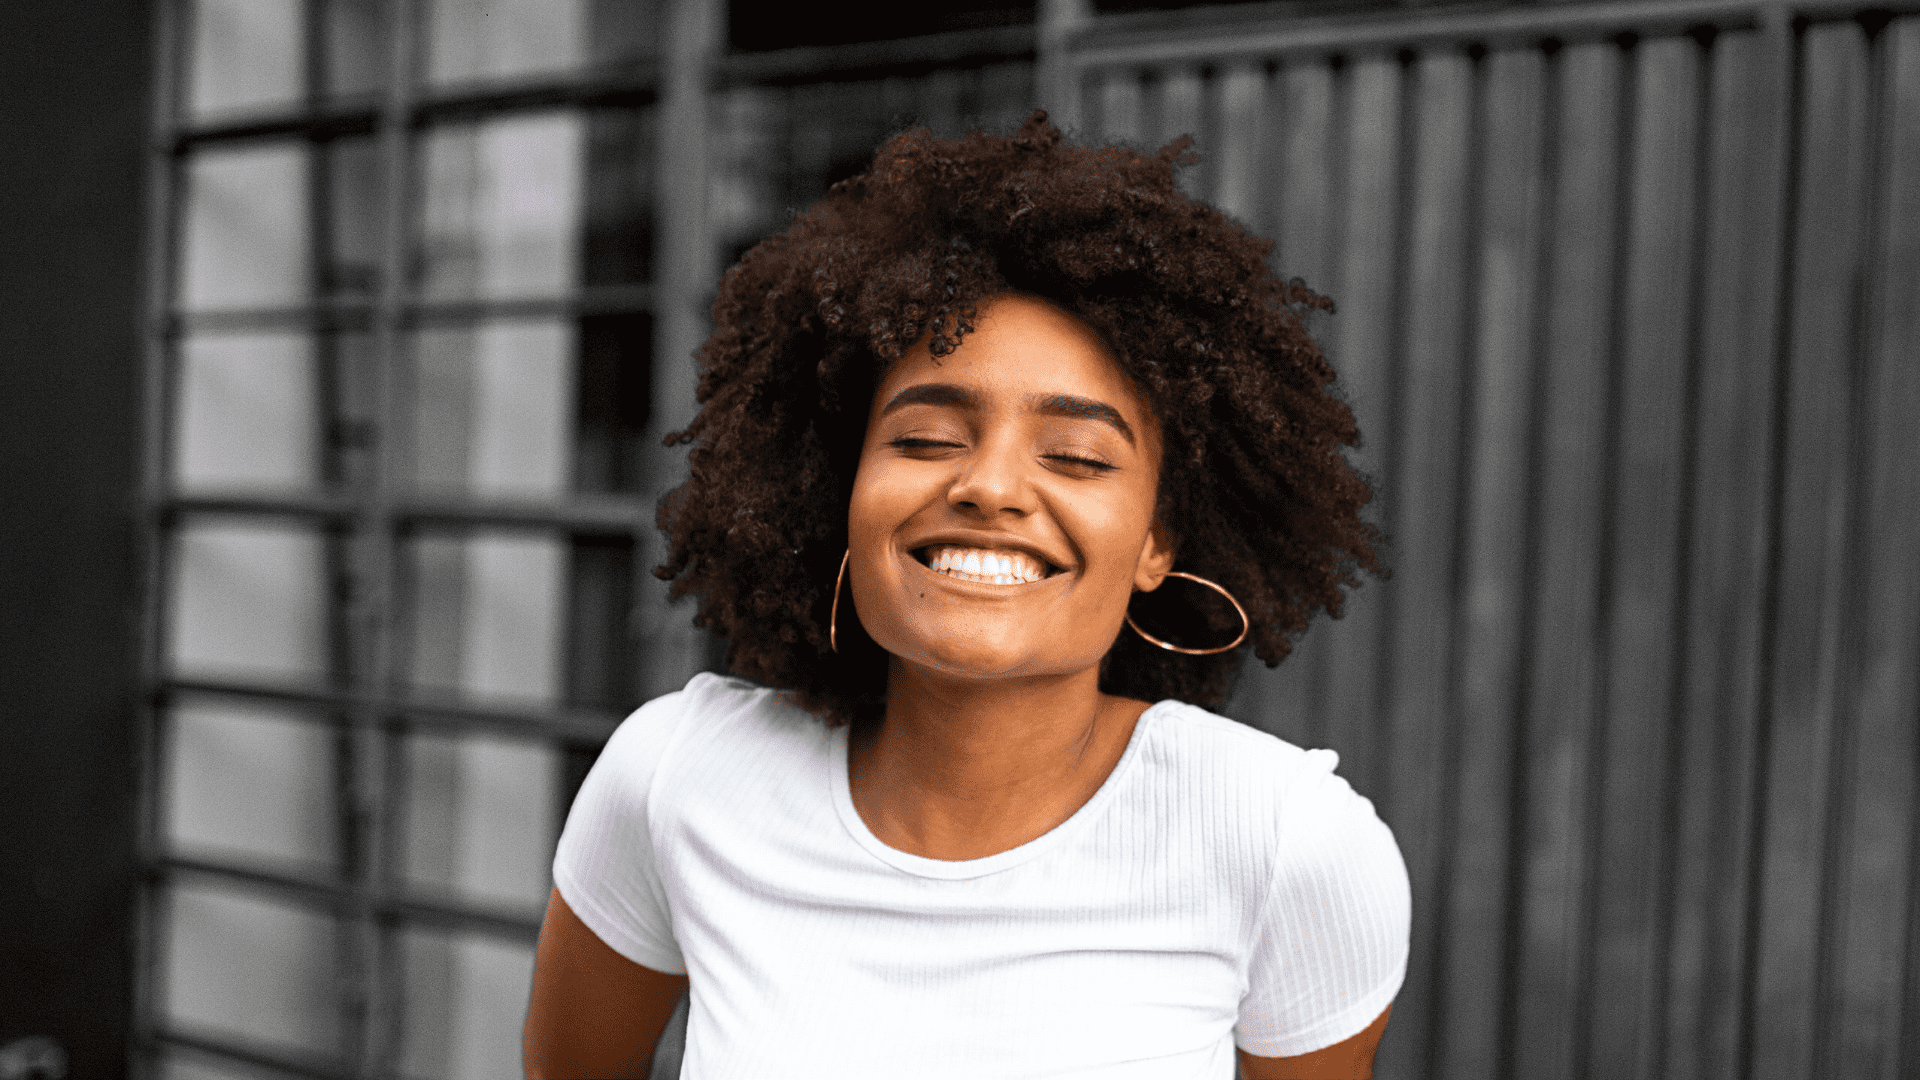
column 1626, row 312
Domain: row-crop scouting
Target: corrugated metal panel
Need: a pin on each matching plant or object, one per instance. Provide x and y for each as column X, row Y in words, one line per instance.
column 1627, row 317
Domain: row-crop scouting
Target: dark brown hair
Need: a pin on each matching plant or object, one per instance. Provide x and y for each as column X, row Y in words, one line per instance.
column 1254, row 487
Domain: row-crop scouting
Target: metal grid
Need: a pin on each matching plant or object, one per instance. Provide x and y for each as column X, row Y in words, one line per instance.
column 365, row 511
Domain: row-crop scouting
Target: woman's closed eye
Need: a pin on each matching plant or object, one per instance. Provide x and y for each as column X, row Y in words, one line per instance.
column 913, row 443
column 918, row 444
column 1082, row 462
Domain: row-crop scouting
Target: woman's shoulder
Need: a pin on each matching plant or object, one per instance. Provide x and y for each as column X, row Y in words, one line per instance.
column 1196, row 738
column 709, row 704
column 1258, row 775
column 1299, row 816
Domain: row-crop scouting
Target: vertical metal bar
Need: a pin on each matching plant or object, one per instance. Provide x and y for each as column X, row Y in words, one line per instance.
column 1391, row 467
column 1858, row 581
column 1540, row 333
column 1360, row 348
column 1880, row 958
column 371, row 602
column 1453, row 675
column 1282, row 119
column 1593, row 834
column 170, row 31
column 684, row 272
column 1423, row 710
column 1057, row 79
column 1785, row 34
column 1666, row 911
column 340, row 563
column 1593, row 795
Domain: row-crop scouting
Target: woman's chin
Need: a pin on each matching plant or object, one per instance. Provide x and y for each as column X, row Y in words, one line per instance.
column 985, row 660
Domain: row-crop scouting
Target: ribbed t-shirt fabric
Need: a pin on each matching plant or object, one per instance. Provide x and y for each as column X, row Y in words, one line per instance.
column 1222, row 887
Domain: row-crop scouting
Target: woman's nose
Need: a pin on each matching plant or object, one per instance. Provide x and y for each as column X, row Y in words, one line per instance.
column 993, row 480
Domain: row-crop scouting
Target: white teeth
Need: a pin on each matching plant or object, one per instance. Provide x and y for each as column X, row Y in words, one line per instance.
column 974, row 564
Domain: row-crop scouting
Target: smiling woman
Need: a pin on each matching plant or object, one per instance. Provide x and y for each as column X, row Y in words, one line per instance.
column 966, row 823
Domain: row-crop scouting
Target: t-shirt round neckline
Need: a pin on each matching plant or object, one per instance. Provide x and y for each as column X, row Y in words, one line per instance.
column 961, row 869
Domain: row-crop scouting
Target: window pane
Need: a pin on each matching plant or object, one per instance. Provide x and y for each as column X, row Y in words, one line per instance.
column 501, row 208
column 601, row 646
column 356, row 45
column 245, row 412
column 486, row 615
column 482, row 818
column 247, row 780
column 621, row 30
column 466, row 1002
column 476, row 40
column 245, row 241
column 746, row 195
column 492, row 409
column 611, row 448
column 491, row 39
column 619, row 222
column 264, row 970
column 247, row 56
column 247, row 601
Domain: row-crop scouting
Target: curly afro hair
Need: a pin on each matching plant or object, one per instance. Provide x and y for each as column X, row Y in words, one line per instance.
column 1255, row 489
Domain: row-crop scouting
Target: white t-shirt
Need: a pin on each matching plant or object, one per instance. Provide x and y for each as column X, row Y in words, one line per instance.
column 1222, row 886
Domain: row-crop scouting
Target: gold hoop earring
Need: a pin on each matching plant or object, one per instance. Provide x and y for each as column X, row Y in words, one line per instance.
column 1246, row 624
column 833, row 620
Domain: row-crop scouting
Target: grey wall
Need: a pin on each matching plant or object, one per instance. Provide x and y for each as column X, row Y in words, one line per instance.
column 73, row 86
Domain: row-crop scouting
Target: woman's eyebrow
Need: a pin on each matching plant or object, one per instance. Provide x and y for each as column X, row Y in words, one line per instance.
column 1079, row 408
column 1071, row 406
column 934, row 394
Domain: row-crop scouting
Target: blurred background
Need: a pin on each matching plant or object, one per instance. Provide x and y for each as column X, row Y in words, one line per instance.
column 341, row 336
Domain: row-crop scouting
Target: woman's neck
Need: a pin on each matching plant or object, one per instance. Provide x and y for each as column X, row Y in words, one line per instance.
column 962, row 769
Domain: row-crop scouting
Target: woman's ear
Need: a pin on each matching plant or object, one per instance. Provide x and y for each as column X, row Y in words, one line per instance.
column 1156, row 558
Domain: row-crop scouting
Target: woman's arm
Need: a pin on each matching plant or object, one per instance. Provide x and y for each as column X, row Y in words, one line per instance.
column 1351, row 1059
column 595, row 1013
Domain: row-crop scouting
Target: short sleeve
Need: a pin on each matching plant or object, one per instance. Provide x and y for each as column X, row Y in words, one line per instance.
column 1330, row 949
column 605, row 867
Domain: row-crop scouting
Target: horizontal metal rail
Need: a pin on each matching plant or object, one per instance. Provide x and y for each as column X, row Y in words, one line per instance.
column 287, row 1061
column 623, row 85
column 413, row 905
column 1129, row 41
column 415, row 710
column 582, row 516
column 833, row 63
column 350, row 314
column 632, row 84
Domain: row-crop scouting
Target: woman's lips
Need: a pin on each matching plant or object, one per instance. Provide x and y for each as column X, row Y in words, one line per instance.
column 988, row 566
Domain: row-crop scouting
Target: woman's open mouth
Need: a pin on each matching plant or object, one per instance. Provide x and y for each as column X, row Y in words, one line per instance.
column 989, row 566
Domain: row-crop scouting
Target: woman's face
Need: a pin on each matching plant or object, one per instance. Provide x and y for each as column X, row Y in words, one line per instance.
column 1002, row 514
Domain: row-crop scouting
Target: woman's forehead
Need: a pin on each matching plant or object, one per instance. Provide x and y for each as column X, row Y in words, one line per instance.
column 1022, row 348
